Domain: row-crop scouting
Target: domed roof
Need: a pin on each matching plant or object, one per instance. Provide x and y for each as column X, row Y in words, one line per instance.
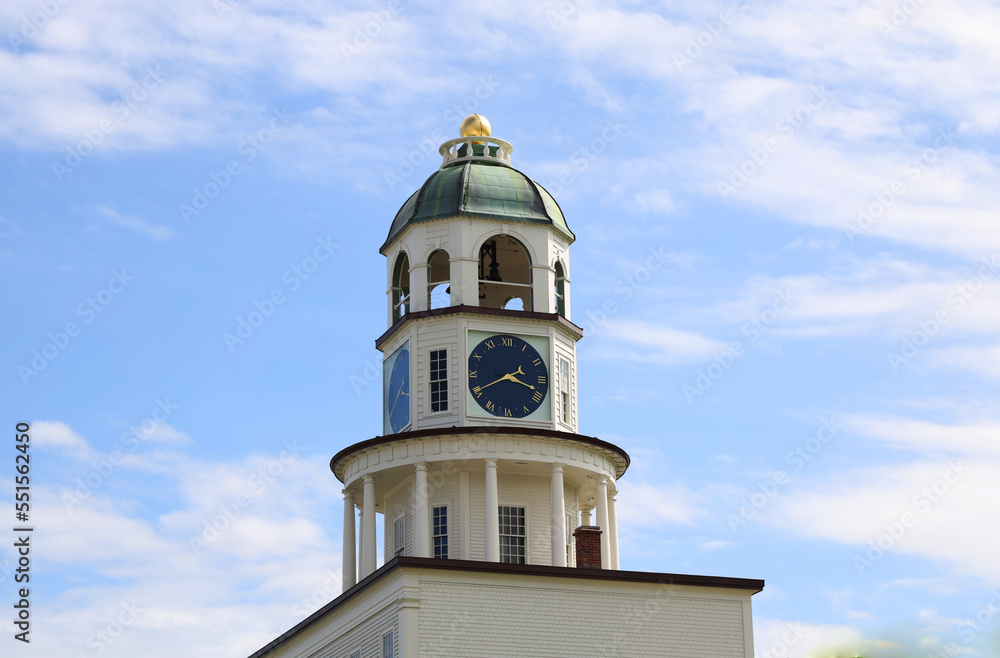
column 480, row 188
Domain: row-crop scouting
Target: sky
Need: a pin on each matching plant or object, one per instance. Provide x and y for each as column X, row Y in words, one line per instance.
column 786, row 268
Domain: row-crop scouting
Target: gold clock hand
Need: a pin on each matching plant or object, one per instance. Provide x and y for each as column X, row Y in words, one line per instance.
column 518, row 381
column 509, row 377
column 494, row 382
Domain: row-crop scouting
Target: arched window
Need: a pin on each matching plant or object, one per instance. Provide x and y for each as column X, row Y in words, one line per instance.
column 504, row 274
column 439, row 279
column 560, row 289
column 400, row 286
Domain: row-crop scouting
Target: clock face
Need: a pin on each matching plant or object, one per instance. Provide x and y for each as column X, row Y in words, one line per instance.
column 397, row 392
column 507, row 376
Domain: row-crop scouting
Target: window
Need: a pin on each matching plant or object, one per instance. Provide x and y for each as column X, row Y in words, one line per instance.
column 512, row 538
column 400, row 287
column 356, row 654
column 399, row 535
column 387, row 645
column 439, row 380
column 560, row 289
column 564, row 389
column 440, row 532
column 438, row 278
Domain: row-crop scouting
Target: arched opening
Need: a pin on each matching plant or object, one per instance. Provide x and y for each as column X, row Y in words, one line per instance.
column 400, row 286
column 439, row 279
column 560, row 289
column 504, row 274
column 513, row 304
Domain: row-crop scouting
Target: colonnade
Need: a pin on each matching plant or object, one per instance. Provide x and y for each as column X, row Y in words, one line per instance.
column 361, row 562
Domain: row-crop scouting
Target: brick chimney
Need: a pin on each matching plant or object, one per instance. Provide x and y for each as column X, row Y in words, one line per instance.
column 588, row 547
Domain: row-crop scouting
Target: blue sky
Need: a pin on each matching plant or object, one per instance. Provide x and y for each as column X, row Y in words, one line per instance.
column 789, row 208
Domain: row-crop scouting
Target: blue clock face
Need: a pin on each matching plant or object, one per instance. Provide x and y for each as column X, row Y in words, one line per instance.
column 397, row 400
column 507, row 376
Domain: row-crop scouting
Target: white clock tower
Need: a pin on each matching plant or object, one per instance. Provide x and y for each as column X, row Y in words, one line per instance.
column 480, row 459
column 500, row 533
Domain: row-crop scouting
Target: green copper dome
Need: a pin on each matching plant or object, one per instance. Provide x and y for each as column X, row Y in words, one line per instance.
column 491, row 190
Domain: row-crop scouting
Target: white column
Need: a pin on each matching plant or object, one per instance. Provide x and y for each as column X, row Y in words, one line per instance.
column 558, row 518
column 350, row 564
column 465, row 281
column 361, row 537
column 421, row 517
column 585, row 518
column 492, row 519
column 368, row 552
column 602, row 521
column 464, row 514
column 418, row 286
column 613, row 529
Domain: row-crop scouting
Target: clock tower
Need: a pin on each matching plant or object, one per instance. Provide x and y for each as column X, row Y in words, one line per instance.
column 477, row 261
column 499, row 519
column 480, row 457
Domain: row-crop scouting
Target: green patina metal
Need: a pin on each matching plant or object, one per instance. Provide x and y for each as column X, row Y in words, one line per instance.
column 480, row 189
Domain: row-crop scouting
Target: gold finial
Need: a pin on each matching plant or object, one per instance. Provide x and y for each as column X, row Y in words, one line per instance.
column 475, row 125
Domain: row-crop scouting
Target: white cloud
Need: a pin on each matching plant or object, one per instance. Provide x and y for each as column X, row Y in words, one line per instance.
column 875, row 117
column 655, row 201
column 943, row 511
column 270, row 556
column 137, row 224
column 643, row 342
column 158, row 432
column 982, row 360
column 796, row 639
column 884, row 296
column 61, row 437
column 981, row 440
column 648, row 505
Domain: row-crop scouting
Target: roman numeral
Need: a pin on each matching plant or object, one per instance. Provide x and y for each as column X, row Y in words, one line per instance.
column 478, row 391
column 541, row 379
column 526, row 410
column 490, row 406
column 473, row 374
column 476, row 356
column 537, row 362
column 506, row 412
column 507, row 342
column 490, row 344
column 537, row 397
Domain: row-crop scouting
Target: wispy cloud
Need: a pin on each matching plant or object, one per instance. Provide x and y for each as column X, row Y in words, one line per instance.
column 644, row 342
column 120, row 553
column 137, row 224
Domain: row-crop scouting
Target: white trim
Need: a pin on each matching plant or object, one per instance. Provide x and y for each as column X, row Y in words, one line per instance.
column 491, row 231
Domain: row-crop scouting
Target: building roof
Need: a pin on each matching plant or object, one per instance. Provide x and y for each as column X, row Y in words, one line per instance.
column 524, row 570
column 485, row 188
